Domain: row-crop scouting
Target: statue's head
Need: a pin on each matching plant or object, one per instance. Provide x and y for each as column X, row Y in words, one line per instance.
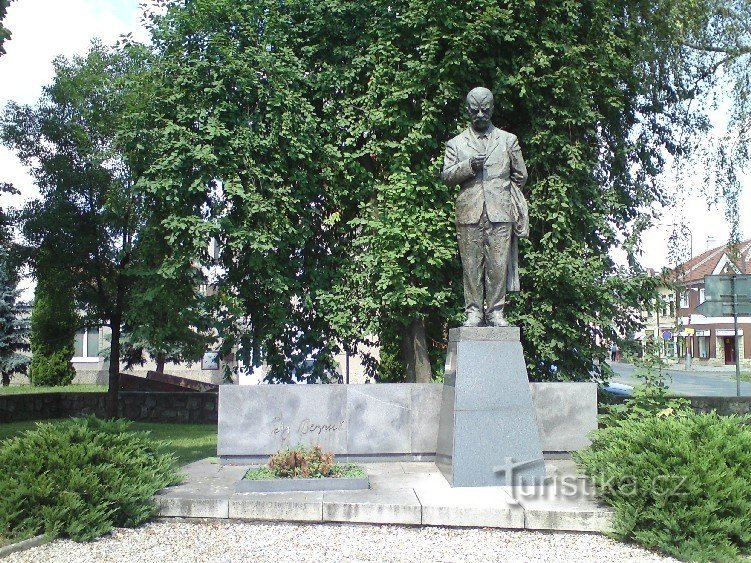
column 480, row 107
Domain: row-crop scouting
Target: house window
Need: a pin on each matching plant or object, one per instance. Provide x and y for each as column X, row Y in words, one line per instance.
column 86, row 345
column 684, row 299
column 668, row 306
column 701, row 295
column 703, row 346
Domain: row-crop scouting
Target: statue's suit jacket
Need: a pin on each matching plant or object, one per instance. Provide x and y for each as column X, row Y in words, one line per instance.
column 497, row 187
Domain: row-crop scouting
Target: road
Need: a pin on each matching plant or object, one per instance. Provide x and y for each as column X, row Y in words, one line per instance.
column 718, row 382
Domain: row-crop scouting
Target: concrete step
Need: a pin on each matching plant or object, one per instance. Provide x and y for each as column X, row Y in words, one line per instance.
column 411, row 493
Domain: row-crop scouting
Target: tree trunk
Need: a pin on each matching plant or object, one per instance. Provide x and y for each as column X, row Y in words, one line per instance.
column 415, row 353
column 114, row 373
column 6, row 380
column 161, row 358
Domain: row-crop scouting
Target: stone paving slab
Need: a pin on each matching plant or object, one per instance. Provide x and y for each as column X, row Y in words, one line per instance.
column 396, row 506
column 291, row 507
column 192, row 505
column 414, row 493
column 488, row 507
column 408, row 481
column 555, row 512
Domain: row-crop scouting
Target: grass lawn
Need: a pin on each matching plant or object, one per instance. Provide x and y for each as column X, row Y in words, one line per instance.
column 20, row 389
column 190, row 442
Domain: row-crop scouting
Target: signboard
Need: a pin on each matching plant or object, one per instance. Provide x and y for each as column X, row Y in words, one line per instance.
column 210, row 361
column 728, row 332
column 718, row 296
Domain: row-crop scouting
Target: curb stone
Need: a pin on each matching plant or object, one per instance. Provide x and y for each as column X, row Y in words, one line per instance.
column 23, row 545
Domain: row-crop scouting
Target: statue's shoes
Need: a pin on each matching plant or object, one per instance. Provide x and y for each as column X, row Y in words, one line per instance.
column 498, row 320
column 473, row 321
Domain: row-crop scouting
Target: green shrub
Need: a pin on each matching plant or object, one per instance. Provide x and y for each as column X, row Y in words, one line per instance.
column 302, row 462
column 53, row 370
column 53, row 327
column 678, row 481
column 79, row 478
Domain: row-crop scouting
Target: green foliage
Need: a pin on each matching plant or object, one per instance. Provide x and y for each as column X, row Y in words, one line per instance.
column 713, row 37
column 678, row 481
column 84, row 227
column 307, row 139
column 53, row 322
column 80, row 478
column 233, row 136
column 302, row 462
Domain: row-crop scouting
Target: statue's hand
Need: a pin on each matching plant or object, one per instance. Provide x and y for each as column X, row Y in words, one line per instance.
column 477, row 162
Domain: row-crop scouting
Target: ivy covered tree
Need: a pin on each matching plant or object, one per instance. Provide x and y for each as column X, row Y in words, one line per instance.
column 307, row 138
column 324, row 127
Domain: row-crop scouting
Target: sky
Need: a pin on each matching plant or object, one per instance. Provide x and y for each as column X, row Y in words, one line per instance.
column 44, row 29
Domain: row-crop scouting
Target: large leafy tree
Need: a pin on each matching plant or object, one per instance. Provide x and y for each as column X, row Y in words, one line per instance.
column 88, row 208
column 308, row 137
column 76, row 142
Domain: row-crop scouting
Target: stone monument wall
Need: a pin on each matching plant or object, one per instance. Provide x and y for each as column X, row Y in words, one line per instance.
column 380, row 421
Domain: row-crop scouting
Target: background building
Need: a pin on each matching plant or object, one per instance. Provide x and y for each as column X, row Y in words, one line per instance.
column 709, row 340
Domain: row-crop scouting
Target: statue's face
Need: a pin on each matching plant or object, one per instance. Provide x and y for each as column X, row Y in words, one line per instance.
column 480, row 112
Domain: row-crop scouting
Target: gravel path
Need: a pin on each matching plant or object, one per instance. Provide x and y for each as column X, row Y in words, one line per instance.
column 301, row 543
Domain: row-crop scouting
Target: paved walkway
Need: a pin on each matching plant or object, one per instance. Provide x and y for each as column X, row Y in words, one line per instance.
column 413, row 493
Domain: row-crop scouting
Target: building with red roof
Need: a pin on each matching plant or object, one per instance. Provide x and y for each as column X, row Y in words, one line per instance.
column 709, row 340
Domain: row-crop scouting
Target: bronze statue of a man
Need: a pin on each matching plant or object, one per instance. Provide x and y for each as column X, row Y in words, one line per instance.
column 491, row 212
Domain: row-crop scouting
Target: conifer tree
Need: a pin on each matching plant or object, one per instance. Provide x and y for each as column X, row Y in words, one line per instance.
column 14, row 331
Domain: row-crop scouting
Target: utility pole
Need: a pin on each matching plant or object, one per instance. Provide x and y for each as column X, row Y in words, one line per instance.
column 735, row 339
column 659, row 336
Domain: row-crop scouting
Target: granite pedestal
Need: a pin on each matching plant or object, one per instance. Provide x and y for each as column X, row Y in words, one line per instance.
column 488, row 434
